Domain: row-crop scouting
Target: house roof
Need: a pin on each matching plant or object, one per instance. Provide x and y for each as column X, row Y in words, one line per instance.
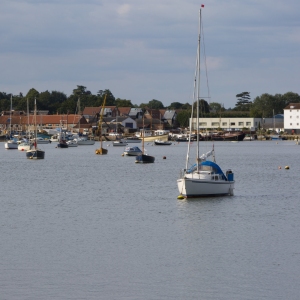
column 124, row 111
column 91, row 111
column 152, row 113
column 43, row 119
column 293, row 106
column 169, row 114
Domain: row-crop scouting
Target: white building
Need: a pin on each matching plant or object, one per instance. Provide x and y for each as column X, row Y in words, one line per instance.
column 292, row 118
column 235, row 124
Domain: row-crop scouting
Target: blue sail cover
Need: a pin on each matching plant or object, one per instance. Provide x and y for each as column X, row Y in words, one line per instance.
column 209, row 163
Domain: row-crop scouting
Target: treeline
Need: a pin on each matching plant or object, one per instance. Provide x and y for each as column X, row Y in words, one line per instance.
column 264, row 106
column 58, row 103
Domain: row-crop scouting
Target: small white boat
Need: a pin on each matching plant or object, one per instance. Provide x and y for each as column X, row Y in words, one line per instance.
column 11, row 144
column 133, row 151
column 162, row 143
column 82, row 141
column 119, row 144
column 72, row 143
column 40, row 140
column 24, row 146
column 131, row 140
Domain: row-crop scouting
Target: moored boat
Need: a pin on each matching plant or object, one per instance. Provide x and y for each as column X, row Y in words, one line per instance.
column 35, row 152
column 132, row 151
column 205, row 177
column 162, row 143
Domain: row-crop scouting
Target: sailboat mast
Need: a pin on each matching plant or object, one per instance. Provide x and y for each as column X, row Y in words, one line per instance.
column 35, row 130
column 143, row 142
column 198, row 89
column 10, row 117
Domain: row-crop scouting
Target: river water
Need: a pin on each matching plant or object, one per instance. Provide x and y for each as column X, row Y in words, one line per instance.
column 81, row 226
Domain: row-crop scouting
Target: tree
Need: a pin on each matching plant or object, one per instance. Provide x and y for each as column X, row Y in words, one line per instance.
column 123, row 103
column 183, row 118
column 203, row 107
column 243, row 102
column 175, row 105
column 186, row 106
column 216, row 107
column 80, row 90
column 155, row 104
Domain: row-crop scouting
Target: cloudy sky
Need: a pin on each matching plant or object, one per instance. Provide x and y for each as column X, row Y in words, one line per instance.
column 143, row 50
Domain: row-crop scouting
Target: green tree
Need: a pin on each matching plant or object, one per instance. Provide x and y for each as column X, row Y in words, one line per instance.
column 175, row 105
column 155, row 104
column 216, row 107
column 183, row 118
column 123, row 103
column 243, row 102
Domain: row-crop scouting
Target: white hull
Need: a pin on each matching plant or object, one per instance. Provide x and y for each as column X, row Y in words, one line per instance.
column 189, row 187
column 131, row 141
column 119, row 144
column 72, row 144
column 24, row 147
column 85, row 142
column 11, row 145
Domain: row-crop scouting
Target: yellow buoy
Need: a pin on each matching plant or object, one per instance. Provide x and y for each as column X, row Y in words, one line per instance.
column 180, row 197
column 286, row 167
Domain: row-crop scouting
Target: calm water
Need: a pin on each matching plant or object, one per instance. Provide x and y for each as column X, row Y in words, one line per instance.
column 81, row 226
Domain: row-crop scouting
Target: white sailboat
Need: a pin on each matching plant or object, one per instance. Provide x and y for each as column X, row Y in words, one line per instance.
column 35, row 152
column 205, row 177
column 26, row 144
column 11, row 143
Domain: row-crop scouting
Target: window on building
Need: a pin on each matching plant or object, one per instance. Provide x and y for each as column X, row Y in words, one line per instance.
column 248, row 123
column 215, row 124
column 241, row 123
column 224, row 123
column 202, row 123
column 232, row 123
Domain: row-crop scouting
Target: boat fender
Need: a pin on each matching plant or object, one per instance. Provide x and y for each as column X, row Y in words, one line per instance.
column 287, row 167
column 180, row 197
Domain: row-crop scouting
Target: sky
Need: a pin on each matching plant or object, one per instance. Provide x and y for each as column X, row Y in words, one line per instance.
column 143, row 50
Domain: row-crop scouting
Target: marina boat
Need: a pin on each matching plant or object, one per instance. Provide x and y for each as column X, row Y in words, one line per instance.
column 35, row 153
column 144, row 158
column 131, row 140
column 12, row 143
column 132, row 151
column 62, row 142
column 276, row 137
column 83, row 141
column 40, row 140
column 24, row 146
column 101, row 150
column 162, row 143
column 204, row 177
column 72, row 143
column 119, row 143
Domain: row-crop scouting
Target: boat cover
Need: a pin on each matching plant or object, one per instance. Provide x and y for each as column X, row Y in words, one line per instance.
column 209, row 163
